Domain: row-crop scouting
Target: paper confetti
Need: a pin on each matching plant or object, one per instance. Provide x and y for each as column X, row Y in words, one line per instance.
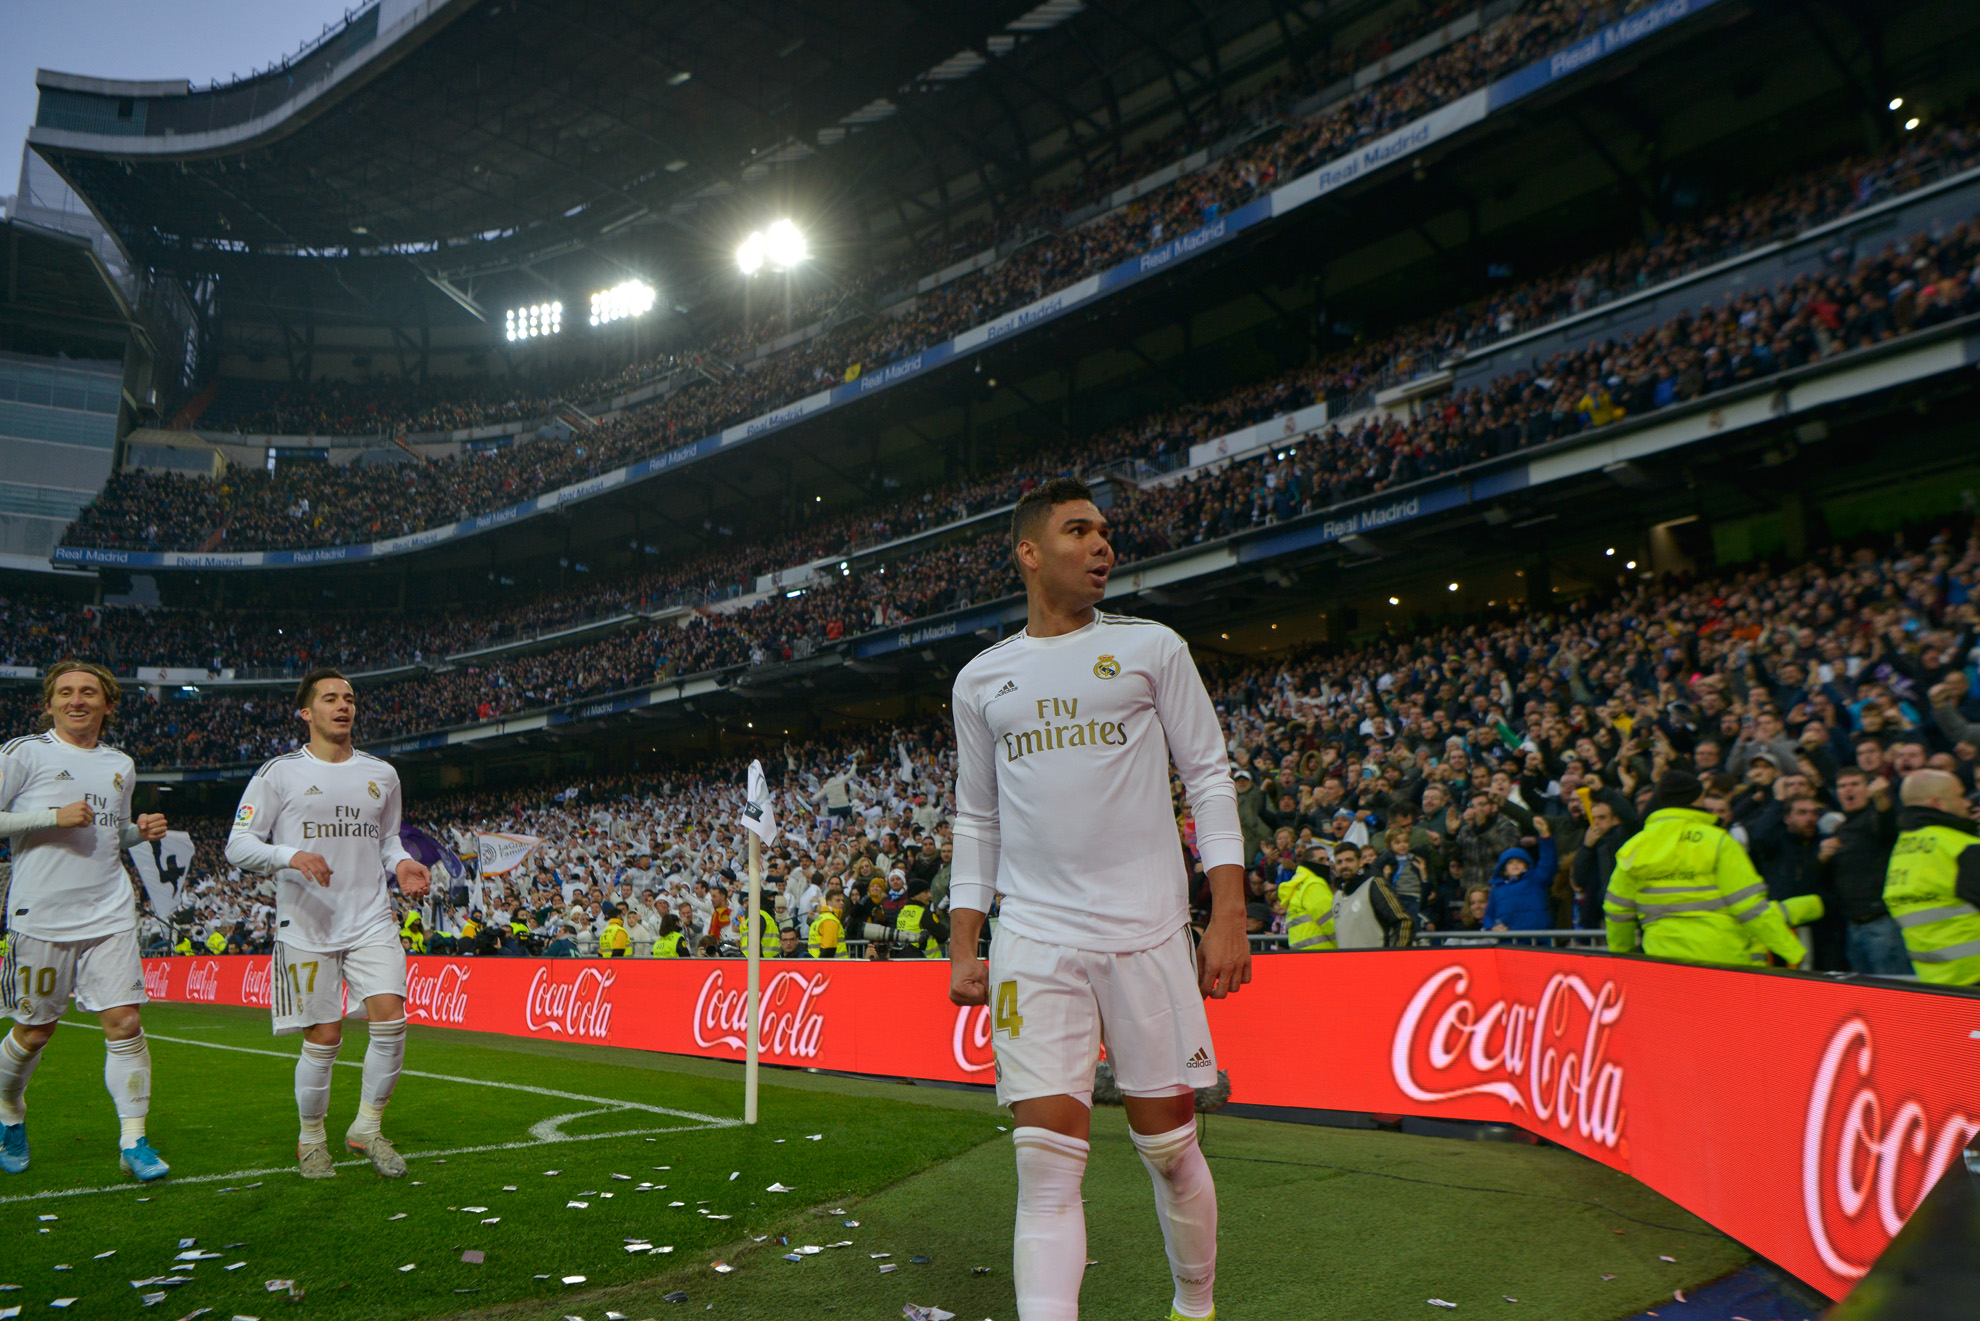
column 278, row 1286
column 184, row 1242
column 814, row 1137
column 1679, row 1295
column 626, row 1177
column 508, row 1187
column 62, row 1302
column 574, row 1279
column 474, row 1256
column 792, row 1256
column 850, row 1224
column 736, row 1175
column 579, row 1205
column 919, row 1261
column 101, row 1255
column 678, row 1295
column 400, row 1216
column 1608, row 1277
column 408, row 1266
column 236, row 1266
column 152, row 1299
column 842, row 1243
column 677, row 1204
column 1672, row 1260
column 551, row 1174
column 492, row 1220
column 887, row 1266
column 979, row 1270
column 776, row 1188
column 1438, row 1302
column 475, row 1209
column 721, row 1268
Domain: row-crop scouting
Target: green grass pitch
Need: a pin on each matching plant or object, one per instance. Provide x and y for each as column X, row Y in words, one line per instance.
column 1316, row 1223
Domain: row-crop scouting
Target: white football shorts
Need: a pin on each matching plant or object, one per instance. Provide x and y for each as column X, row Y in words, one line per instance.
column 41, row 975
column 1052, row 1007
column 308, row 988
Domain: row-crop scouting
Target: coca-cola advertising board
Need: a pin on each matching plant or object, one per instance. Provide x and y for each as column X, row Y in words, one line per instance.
column 1805, row 1117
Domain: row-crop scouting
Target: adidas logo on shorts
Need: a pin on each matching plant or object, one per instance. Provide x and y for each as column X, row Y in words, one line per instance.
column 1200, row 1060
column 64, row 775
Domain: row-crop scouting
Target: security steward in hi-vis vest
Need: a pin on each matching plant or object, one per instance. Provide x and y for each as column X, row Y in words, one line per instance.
column 1684, row 889
column 915, row 919
column 216, row 941
column 671, row 944
column 827, row 939
column 1309, row 903
column 614, row 942
column 1933, row 885
column 414, row 933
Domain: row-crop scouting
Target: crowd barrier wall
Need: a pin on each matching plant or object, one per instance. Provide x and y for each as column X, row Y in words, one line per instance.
column 1805, row 1117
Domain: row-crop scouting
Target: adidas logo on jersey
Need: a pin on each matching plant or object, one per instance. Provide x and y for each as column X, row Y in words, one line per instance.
column 1010, row 686
column 1200, row 1060
column 311, row 790
column 64, row 775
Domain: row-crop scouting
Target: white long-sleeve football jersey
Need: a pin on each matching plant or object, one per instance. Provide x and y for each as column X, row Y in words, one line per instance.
column 68, row 884
column 346, row 811
column 1062, row 784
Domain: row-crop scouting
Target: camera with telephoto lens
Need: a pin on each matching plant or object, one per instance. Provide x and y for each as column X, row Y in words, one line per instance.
column 883, row 935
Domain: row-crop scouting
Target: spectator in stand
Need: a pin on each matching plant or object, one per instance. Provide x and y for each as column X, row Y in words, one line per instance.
column 1855, row 859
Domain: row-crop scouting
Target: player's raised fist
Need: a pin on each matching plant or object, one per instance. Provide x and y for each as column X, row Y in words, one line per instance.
column 73, row 815
column 969, row 981
column 1223, row 959
column 151, row 827
column 413, row 878
column 313, row 866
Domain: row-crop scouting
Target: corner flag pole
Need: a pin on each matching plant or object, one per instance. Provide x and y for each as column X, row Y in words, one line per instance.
column 759, row 818
column 754, row 946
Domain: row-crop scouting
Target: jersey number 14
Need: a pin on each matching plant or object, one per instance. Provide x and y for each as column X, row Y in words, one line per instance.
column 1005, row 1017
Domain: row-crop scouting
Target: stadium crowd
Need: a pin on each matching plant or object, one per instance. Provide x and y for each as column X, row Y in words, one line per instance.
column 1755, row 334
column 313, row 505
column 1801, row 698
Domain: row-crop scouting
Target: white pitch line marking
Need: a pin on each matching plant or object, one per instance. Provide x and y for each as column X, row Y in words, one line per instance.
column 128, row 1187
column 712, row 1120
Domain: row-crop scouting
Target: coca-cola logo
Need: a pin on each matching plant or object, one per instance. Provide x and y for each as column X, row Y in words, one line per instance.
column 1548, row 1059
column 203, row 982
column 441, row 997
column 1865, row 1167
column 971, row 1040
column 579, row 1007
column 255, row 981
column 792, row 1025
column 158, row 981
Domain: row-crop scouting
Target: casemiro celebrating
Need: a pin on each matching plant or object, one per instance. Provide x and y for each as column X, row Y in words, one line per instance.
column 65, row 801
column 1064, row 735
column 324, row 822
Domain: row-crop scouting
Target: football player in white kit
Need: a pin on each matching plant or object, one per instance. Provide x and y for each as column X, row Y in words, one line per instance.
column 65, row 801
column 324, row 822
column 1064, row 735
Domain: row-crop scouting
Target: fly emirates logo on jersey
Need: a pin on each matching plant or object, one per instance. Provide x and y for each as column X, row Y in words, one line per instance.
column 345, row 823
column 1051, row 736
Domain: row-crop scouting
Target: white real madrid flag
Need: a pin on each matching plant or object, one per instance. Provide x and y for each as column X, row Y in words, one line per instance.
column 502, row 854
column 759, row 818
column 163, row 865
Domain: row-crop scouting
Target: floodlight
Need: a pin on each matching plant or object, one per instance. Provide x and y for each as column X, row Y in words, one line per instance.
column 784, row 245
column 781, row 246
column 633, row 298
column 533, row 321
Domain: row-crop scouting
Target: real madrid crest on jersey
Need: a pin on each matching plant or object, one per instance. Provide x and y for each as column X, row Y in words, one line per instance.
column 371, row 787
column 1106, row 667
column 118, row 781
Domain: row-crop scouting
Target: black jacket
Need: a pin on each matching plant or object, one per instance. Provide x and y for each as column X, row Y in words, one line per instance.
column 1856, row 871
column 1789, row 863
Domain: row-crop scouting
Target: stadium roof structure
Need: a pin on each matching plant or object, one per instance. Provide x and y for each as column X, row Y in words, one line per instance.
column 427, row 144
column 56, row 297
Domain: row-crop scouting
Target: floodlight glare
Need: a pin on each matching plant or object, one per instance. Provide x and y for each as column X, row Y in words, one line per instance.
column 781, row 246
column 633, row 298
column 535, row 320
column 784, row 245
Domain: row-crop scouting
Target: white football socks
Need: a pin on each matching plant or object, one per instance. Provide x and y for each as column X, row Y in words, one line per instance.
column 383, row 1059
column 1048, row 1257
column 127, row 1073
column 16, row 1067
column 1186, row 1204
column 313, row 1090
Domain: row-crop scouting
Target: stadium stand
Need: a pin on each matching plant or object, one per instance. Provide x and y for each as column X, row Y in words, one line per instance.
column 150, row 511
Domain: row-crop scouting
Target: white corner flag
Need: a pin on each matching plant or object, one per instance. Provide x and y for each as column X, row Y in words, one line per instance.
column 759, row 815
column 162, row 866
